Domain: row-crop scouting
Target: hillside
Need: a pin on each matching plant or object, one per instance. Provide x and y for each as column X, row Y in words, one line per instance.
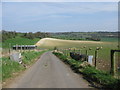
column 51, row 43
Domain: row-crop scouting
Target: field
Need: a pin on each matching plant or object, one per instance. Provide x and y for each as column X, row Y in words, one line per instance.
column 109, row 39
column 19, row 41
column 13, row 41
column 103, row 60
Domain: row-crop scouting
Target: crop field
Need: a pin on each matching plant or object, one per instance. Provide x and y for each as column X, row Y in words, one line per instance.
column 103, row 60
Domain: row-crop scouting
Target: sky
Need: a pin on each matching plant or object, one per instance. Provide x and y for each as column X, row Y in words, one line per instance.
column 60, row 16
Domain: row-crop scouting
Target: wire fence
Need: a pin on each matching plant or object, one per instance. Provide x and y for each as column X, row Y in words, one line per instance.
column 101, row 63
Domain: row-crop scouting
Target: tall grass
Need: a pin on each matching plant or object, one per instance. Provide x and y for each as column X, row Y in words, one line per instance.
column 29, row 56
column 9, row 67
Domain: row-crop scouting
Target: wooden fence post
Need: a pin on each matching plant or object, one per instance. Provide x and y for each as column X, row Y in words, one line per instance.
column 74, row 50
column 113, row 66
column 9, row 48
column 79, row 51
column 86, row 52
column 112, row 63
column 86, row 55
column 95, row 58
column 66, row 51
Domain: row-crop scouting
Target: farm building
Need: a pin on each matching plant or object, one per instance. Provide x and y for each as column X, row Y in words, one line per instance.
column 24, row 47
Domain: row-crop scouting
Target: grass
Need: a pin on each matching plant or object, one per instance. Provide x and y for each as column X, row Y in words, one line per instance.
column 103, row 54
column 29, row 56
column 110, row 39
column 20, row 41
column 9, row 67
column 91, row 73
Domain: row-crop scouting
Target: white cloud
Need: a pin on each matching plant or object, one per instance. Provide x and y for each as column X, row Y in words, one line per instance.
column 58, row 8
column 33, row 15
column 22, row 12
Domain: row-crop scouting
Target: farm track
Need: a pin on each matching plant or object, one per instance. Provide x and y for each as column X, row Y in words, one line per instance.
column 49, row 72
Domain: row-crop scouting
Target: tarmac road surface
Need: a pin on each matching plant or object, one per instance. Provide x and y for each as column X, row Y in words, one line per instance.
column 49, row 72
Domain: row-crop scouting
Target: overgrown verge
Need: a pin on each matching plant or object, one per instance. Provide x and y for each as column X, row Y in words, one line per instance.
column 29, row 57
column 9, row 67
column 91, row 73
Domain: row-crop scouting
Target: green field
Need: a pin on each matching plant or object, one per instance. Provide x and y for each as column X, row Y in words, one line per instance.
column 60, row 44
column 103, row 54
column 19, row 41
column 105, row 39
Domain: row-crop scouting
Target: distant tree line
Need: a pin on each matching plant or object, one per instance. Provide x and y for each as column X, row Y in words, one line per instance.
column 96, row 36
column 94, row 39
column 12, row 34
column 86, row 34
column 40, row 35
column 8, row 34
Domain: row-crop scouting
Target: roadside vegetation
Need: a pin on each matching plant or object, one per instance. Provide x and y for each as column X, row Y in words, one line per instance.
column 98, row 78
column 9, row 67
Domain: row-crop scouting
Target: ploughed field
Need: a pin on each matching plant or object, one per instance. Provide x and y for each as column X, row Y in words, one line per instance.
column 103, row 60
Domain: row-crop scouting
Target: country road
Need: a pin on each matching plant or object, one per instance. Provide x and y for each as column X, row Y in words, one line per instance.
column 49, row 72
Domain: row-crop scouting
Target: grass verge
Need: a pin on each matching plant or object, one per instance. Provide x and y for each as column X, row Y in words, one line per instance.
column 91, row 73
column 9, row 67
